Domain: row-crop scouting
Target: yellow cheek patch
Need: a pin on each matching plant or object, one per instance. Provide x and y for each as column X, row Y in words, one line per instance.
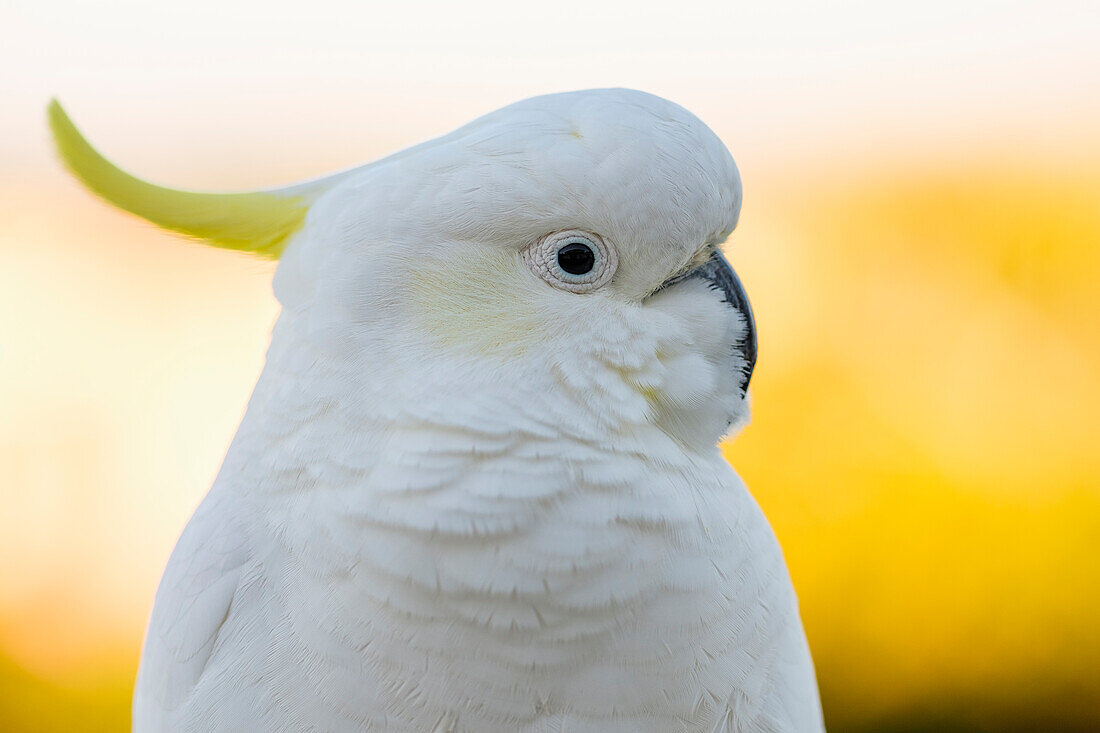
column 480, row 301
column 257, row 222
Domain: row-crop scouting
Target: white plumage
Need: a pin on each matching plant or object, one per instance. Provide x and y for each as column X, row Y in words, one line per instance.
column 465, row 498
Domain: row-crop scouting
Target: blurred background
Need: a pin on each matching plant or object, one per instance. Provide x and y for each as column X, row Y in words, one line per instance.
column 920, row 237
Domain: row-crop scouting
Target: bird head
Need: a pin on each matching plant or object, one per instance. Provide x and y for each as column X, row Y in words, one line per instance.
column 555, row 262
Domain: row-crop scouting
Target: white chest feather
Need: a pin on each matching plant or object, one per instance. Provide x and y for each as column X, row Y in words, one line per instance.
column 474, row 561
column 506, row 590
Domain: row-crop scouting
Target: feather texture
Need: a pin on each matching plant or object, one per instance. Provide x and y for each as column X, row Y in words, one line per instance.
column 259, row 222
column 464, row 500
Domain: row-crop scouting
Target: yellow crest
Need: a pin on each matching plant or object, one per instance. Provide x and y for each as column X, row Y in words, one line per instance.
column 259, row 222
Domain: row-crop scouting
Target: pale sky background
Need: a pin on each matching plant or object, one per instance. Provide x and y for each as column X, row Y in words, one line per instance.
column 161, row 83
column 126, row 358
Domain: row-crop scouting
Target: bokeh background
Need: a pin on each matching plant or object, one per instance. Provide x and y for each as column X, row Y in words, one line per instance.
column 920, row 236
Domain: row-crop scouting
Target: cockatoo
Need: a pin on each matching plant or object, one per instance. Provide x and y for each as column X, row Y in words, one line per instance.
column 477, row 486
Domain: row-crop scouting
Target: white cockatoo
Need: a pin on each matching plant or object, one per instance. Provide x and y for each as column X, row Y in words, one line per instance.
column 477, row 486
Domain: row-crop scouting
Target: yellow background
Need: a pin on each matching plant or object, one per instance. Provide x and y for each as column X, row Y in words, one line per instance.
column 920, row 238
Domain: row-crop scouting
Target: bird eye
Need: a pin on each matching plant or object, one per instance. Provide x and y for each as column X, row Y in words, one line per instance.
column 573, row 260
column 576, row 258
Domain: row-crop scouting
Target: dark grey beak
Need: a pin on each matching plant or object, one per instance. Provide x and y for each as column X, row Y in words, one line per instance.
column 718, row 272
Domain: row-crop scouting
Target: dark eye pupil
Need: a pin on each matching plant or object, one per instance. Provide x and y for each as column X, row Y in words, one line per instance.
column 576, row 258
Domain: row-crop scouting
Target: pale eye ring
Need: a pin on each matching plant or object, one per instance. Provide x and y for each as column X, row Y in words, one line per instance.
column 572, row 260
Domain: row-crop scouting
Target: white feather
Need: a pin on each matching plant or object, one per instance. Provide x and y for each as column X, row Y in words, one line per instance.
column 513, row 521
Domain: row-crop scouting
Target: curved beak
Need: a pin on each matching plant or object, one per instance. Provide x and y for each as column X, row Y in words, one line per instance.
column 718, row 272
